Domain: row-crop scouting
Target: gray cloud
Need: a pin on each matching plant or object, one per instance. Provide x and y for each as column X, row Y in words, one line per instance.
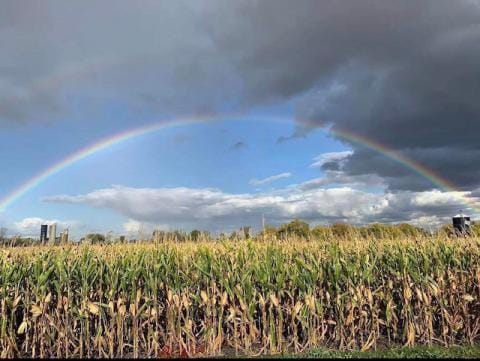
column 332, row 160
column 403, row 73
column 152, row 55
column 332, row 164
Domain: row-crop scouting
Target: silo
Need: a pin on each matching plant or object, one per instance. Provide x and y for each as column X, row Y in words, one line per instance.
column 43, row 233
column 461, row 225
column 64, row 236
column 53, row 233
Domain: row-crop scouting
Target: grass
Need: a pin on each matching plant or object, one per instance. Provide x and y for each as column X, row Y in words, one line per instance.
column 397, row 352
column 424, row 352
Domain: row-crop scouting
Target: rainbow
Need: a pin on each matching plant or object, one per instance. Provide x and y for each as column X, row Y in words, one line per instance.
column 86, row 152
column 120, row 137
column 409, row 163
column 441, row 182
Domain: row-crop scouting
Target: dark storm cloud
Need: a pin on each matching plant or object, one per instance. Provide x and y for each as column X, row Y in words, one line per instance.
column 454, row 163
column 404, row 73
column 150, row 55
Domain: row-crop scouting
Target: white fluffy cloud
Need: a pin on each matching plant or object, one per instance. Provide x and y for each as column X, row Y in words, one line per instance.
column 436, row 197
column 215, row 210
column 428, row 222
column 134, row 228
column 212, row 208
column 31, row 226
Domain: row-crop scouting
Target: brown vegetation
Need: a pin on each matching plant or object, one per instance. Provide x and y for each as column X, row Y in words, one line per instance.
column 166, row 299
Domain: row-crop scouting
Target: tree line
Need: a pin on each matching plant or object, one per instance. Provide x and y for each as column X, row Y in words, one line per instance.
column 295, row 228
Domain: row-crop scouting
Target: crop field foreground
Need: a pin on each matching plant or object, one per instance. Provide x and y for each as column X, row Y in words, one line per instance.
column 245, row 298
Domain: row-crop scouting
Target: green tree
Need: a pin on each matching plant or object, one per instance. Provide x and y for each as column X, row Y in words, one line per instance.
column 408, row 230
column 268, row 232
column 233, row 236
column 321, row 232
column 195, row 235
column 376, row 230
column 95, row 238
column 341, row 229
column 295, row 227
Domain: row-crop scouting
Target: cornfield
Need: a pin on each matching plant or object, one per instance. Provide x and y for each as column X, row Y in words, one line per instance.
column 248, row 297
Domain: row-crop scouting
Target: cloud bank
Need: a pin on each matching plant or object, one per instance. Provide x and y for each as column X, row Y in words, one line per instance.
column 212, row 209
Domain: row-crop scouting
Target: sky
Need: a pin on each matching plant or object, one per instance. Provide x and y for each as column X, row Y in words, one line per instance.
column 328, row 111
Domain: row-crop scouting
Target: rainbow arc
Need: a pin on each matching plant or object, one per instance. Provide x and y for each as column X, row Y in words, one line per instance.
column 94, row 148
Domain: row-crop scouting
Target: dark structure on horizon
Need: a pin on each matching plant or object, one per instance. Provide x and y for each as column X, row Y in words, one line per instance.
column 462, row 225
column 43, row 233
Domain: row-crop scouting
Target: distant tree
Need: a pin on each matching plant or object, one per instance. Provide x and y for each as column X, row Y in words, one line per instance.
column 268, row 232
column 195, row 235
column 409, row 230
column 158, row 235
column 95, row 238
column 294, row 228
column 341, row 229
column 175, row 236
column 233, row 236
column 376, row 230
column 446, row 230
column 19, row 241
column 320, row 232
column 179, row 236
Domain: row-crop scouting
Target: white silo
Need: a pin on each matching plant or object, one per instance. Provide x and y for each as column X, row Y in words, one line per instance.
column 52, row 237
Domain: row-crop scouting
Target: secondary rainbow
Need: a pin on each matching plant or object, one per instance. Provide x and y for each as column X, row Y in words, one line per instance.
column 86, row 152
column 117, row 138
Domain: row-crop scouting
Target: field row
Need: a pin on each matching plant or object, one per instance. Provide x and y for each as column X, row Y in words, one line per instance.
column 246, row 297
